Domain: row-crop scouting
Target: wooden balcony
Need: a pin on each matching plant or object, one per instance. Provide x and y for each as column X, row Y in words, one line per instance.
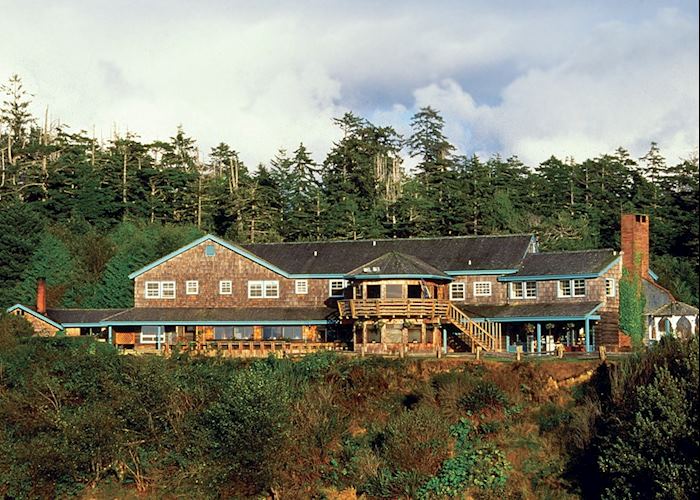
column 392, row 308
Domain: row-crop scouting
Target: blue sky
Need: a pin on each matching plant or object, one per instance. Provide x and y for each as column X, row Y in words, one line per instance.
column 516, row 78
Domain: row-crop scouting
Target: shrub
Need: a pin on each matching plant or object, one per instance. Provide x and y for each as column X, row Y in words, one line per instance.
column 415, row 440
column 12, row 329
column 486, row 394
column 476, row 464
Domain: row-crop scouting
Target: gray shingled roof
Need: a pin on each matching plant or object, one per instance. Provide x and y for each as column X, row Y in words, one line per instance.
column 447, row 254
column 546, row 310
column 565, row 263
column 80, row 315
column 252, row 314
column 397, row 263
column 676, row 309
column 655, row 296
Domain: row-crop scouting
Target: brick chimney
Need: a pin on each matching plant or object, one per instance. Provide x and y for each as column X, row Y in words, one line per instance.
column 41, row 296
column 634, row 240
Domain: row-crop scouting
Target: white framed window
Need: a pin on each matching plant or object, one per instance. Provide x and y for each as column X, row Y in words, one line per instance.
column 523, row 290
column 482, row 289
column 160, row 290
column 225, row 287
column 191, row 287
column 301, row 287
column 152, row 290
column 458, row 291
column 263, row 289
column 151, row 334
column 610, row 287
column 336, row 288
column 255, row 289
column 571, row 288
column 167, row 289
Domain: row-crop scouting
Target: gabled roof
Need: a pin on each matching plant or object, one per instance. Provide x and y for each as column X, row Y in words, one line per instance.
column 560, row 265
column 554, row 311
column 36, row 314
column 452, row 255
column 655, row 296
column 399, row 265
column 675, row 309
column 214, row 239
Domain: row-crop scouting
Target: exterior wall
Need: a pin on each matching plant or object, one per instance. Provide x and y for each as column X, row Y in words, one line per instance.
column 42, row 328
column 193, row 264
column 499, row 290
column 547, row 292
column 607, row 331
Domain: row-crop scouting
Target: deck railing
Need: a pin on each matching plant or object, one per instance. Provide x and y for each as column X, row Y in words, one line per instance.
column 392, row 308
column 258, row 348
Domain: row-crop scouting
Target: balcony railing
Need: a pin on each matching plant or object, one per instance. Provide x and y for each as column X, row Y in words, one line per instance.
column 392, row 308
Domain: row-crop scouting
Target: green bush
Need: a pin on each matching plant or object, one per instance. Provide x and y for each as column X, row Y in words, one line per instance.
column 486, row 394
column 639, row 430
column 476, row 464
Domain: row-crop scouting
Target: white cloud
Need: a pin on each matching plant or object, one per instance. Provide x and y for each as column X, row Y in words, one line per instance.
column 623, row 86
column 532, row 80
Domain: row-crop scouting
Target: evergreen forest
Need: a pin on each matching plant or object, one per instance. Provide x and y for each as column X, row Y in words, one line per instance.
column 84, row 212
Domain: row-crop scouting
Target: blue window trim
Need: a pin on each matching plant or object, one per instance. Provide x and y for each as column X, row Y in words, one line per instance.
column 552, row 277
column 35, row 314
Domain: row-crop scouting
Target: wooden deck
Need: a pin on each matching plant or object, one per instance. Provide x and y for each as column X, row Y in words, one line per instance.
column 392, row 308
column 486, row 336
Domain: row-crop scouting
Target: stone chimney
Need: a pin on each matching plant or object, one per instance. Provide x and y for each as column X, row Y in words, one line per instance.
column 41, row 296
column 634, row 240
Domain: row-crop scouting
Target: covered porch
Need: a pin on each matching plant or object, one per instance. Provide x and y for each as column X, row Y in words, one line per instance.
column 539, row 328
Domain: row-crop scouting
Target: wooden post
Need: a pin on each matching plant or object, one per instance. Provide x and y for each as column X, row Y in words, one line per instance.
column 602, row 353
column 519, row 353
column 363, row 350
column 478, row 352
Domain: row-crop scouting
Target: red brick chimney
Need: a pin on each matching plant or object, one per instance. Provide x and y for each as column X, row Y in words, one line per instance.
column 41, row 296
column 634, row 240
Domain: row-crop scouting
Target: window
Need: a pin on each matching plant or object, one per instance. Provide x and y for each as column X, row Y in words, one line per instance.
column 191, row 287
column 225, row 287
column 393, row 291
column 282, row 332
column 167, row 289
column 263, row 289
column 233, row 332
column 482, row 289
column 152, row 290
column 457, row 291
column 609, row 287
column 209, row 251
column 572, row 288
column 160, row 290
column 523, row 290
column 301, row 287
column 152, row 334
column 336, row 288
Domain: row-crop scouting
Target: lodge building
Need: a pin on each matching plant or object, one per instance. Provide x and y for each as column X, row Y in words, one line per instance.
column 374, row 296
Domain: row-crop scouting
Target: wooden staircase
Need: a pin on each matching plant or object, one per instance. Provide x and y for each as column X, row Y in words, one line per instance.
column 470, row 332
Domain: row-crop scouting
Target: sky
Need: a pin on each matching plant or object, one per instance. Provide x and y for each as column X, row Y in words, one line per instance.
column 533, row 79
